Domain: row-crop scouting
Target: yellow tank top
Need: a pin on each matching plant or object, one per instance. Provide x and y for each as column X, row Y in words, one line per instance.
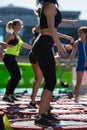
column 15, row 50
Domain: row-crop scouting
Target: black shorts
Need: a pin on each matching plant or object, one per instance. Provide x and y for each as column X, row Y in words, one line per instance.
column 32, row 58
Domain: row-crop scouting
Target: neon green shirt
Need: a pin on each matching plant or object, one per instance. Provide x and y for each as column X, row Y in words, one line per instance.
column 15, row 50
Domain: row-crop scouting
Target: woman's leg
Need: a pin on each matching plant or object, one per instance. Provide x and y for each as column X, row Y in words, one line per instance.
column 14, row 71
column 44, row 55
column 43, row 52
column 79, row 76
column 45, row 101
column 37, row 82
column 49, row 72
column 15, row 77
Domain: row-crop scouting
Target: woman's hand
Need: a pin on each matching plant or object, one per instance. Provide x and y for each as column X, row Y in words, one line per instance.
column 61, row 50
column 71, row 39
column 68, row 47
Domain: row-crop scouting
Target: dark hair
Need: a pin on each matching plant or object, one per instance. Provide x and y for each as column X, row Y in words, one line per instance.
column 45, row 1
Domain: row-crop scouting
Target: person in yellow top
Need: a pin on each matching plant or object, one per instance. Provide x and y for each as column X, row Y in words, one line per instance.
column 15, row 43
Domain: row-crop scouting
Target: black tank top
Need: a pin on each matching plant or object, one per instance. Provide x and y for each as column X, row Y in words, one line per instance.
column 14, row 41
column 43, row 20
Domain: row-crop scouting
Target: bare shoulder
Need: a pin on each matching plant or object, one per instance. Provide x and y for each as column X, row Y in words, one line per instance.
column 9, row 37
column 50, row 9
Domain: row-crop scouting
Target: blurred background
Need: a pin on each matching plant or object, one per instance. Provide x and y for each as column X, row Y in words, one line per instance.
column 24, row 10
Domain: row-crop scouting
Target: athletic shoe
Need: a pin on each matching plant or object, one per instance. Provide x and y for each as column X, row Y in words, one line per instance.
column 51, row 117
column 42, row 121
column 32, row 105
column 76, row 100
column 14, row 98
column 50, row 108
column 8, row 99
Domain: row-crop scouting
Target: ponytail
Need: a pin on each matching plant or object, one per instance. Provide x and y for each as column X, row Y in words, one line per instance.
column 9, row 27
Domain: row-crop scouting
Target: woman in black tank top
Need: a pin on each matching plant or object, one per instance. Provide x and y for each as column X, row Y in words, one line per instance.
column 49, row 20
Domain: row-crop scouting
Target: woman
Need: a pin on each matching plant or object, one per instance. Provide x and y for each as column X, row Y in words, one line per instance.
column 80, row 45
column 34, row 63
column 15, row 44
column 37, row 71
column 42, row 50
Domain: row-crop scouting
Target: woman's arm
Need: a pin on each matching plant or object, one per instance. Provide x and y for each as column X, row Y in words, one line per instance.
column 50, row 12
column 27, row 46
column 73, row 53
column 3, row 45
column 9, row 38
column 71, row 39
column 71, row 22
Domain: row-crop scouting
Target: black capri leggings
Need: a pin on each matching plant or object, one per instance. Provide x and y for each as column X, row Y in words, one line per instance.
column 13, row 68
column 32, row 58
column 43, row 53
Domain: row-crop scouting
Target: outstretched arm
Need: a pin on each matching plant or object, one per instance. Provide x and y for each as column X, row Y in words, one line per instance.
column 72, row 55
column 71, row 22
column 61, row 35
column 27, row 46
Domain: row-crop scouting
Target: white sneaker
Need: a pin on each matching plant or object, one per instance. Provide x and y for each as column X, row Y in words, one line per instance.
column 76, row 100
